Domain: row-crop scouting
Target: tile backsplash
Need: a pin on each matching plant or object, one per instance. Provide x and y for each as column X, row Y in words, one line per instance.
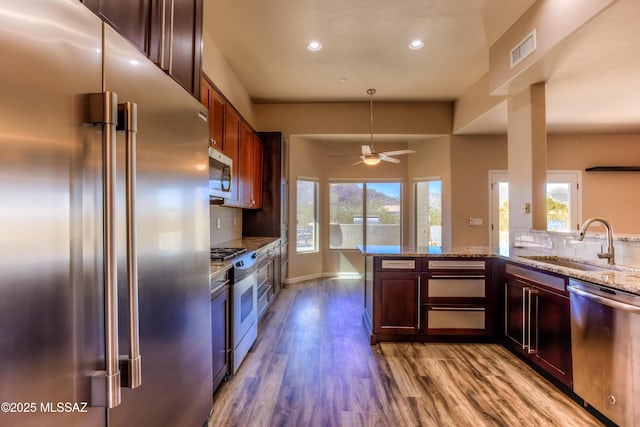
column 627, row 248
column 230, row 220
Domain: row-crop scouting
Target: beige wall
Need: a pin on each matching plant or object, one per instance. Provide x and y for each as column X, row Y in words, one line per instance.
column 428, row 118
column 216, row 67
column 472, row 158
column 310, row 158
column 612, row 195
column 554, row 21
column 327, row 160
column 431, row 160
column 303, row 155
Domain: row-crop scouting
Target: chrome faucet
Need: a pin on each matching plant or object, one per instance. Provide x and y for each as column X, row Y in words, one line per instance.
column 609, row 255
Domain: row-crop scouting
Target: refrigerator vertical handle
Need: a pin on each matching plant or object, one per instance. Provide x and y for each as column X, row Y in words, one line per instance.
column 105, row 385
column 130, row 364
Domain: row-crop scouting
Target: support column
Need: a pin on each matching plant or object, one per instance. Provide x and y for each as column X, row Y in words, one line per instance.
column 527, row 157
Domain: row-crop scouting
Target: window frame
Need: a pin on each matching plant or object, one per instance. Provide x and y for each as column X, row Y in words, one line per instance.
column 416, row 182
column 316, row 210
column 364, row 183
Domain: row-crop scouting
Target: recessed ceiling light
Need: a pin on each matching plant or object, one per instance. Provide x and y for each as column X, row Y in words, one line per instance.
column 314, row 46
column 343, row 80
column 416, row 44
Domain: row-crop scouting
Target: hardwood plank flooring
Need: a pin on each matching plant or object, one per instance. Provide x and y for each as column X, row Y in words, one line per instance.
column 312, row 365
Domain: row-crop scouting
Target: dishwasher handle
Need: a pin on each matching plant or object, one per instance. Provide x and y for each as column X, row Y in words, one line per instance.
column 604, row 300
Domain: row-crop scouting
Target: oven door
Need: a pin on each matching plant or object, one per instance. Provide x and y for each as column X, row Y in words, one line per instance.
column 245, row 315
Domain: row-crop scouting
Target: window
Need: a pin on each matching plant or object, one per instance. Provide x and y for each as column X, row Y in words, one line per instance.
column 429, row 215
column 349, row 205
column 563, row 205
column 563, row 200
column 306, row 216
column 499, row 215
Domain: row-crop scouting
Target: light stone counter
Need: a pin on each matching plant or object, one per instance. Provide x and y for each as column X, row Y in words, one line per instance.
column 617, row 277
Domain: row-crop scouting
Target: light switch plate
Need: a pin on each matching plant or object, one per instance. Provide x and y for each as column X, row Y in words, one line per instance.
column 218, row 223
column 475, row 221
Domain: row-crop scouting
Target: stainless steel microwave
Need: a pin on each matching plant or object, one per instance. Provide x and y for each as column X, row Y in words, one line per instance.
column 220, row 170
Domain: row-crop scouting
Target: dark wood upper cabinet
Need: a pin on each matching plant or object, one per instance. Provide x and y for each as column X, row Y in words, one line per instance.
column 216, row 105
column 168, row 32
column 185, row 34
column 231, row 142
column 256, row 171
column 270, row 220
column 130, row 18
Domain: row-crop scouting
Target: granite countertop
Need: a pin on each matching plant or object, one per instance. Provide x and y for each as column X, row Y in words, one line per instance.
column 431, row 251
column 250, row 243
column 617, row 277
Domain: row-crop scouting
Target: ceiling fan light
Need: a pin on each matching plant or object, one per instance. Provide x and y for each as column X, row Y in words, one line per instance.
column 371, row 161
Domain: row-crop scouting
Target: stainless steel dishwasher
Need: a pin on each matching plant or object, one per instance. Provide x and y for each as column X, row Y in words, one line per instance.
column 605, row 341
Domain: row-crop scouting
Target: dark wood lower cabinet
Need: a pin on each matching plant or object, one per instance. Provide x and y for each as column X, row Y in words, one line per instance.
column 396, row 303
column 422, row 299
column 552, row 342
column 538, row 322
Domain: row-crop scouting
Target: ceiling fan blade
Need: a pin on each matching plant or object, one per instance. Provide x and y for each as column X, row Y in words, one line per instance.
column 357, row 163
column 397, row 152
column 366, row 150
column 388, row 159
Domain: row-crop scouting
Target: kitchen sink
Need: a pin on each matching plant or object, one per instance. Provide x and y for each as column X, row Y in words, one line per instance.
column 566, row 262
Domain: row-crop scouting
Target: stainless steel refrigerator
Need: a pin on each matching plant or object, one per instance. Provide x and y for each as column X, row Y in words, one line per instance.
column 90, row 207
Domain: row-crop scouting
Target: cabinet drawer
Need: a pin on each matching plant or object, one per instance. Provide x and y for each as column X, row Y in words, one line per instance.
column 458, row 287
column 456, row 318
column 397, row 264
column 456, row 264
column 554, row 282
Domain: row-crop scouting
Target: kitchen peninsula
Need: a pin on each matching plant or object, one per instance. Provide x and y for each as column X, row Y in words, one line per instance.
column 426, row 294
column 546, row 309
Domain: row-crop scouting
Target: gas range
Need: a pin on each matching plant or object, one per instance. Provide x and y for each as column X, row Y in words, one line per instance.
column 226, row 254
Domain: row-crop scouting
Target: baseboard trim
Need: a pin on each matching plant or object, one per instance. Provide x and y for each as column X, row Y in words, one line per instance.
column 339, row 275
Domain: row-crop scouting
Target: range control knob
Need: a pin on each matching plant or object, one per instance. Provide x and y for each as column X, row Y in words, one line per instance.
column 239, row 263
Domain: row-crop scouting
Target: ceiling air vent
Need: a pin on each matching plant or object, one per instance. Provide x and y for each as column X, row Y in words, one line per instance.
column 523, row 49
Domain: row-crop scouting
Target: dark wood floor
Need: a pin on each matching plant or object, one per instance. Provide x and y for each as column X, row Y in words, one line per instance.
column 313, row 366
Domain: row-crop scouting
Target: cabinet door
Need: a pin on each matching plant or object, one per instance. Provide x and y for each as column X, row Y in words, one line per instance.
column 231, row 139
column 245, row 165
column 397, row 303
column 551, row 341
column 215, row 104
column 256, row 179
column 186, row 32
column 130, row 18
column 515, row 311
column 216, row 121
column 220, row 336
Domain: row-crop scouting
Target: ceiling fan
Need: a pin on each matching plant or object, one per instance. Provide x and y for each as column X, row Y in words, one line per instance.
column 369, row 156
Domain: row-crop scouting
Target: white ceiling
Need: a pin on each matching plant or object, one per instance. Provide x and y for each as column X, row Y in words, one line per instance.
column 593, row 79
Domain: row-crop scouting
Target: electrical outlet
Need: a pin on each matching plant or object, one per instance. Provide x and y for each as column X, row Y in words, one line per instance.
column 218, row 223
